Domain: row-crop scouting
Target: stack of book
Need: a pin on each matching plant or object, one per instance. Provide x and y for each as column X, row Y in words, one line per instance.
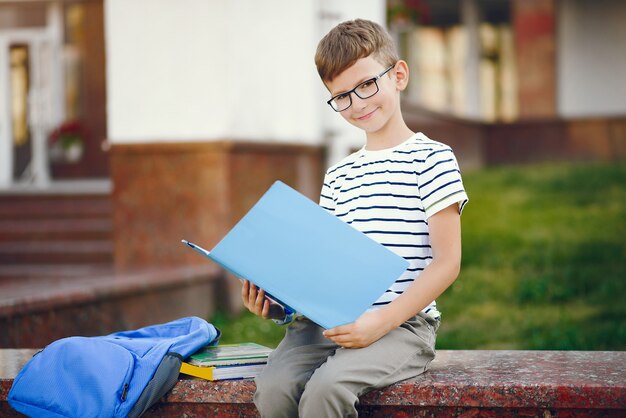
column 228, row 361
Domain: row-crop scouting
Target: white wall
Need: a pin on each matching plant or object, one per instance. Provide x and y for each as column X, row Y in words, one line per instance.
column 591, row 58
column 340, row 136
column 221, row 69
column 210, row 69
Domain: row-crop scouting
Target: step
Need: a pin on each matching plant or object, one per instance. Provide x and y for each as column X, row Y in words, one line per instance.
column 54, row 229
column 46, row 207
column 56, row 252
column 36, row 271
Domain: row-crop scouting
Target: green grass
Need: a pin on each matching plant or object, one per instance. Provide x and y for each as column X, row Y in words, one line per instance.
column 544, row 263
column 248, row 327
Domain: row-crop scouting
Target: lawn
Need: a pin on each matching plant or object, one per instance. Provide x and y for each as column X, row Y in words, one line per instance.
column 544, row 264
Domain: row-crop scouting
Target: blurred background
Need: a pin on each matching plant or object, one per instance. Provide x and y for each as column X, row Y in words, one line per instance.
column 127, row 125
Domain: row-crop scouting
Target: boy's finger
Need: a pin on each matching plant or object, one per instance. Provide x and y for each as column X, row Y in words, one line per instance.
column 343, row 341
column 340, row 330
column 266, row 309
column 252, row 295
column 245, row 289
column 259, row 300
column 261, row 297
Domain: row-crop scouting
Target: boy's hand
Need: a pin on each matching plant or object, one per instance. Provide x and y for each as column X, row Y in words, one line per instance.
column 368, row 328
column 255, row 300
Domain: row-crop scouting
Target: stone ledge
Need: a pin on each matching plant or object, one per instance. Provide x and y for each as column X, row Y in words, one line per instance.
column 42, row 294
column 466, row 383
column 37, row 311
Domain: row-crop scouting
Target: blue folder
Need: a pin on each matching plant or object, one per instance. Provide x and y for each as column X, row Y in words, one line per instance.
column 306, row 258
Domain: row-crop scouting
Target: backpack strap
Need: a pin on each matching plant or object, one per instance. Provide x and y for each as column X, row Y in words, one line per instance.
column 162, row 382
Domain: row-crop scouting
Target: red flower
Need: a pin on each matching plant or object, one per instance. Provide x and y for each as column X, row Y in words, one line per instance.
column 68, row 133
column 407, row 11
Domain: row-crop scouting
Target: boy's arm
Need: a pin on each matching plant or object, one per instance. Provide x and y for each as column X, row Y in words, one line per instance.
column 445, row 236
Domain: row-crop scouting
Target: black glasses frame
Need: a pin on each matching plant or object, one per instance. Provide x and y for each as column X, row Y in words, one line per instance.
column 348, row 93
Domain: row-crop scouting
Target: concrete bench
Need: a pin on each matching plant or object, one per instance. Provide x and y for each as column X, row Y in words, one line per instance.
column 459, row 383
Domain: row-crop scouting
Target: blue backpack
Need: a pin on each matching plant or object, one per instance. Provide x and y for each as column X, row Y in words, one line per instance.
column 117, row 375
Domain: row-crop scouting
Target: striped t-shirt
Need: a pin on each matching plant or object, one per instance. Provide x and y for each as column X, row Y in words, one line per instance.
column 390, row 194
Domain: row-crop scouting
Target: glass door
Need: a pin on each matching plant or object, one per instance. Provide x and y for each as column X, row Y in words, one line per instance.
column 31, row 99
column 19, row 80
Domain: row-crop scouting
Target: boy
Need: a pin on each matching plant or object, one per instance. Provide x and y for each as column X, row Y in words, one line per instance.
column 403, row 190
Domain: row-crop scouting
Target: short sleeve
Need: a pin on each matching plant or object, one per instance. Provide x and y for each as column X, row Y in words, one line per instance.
column 326, row 195
column 440, row 182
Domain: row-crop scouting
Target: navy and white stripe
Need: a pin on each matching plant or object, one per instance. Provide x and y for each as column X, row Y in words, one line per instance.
column 390, row 194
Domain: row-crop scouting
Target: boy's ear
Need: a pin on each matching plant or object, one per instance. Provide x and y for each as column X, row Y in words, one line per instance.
column 401, row 71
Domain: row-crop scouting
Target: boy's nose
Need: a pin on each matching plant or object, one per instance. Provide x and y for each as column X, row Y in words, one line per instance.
column 357, row 102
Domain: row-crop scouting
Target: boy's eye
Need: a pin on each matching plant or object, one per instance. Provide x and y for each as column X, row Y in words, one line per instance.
column 342, row 97
column 366, row 84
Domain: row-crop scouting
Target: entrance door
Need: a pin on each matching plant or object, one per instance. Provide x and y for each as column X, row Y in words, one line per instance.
column 31, row 101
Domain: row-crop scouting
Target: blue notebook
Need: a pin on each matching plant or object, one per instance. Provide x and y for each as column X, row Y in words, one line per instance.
column 306, row 258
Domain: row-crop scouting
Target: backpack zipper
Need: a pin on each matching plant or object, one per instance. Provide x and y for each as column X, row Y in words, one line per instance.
column 124, row 392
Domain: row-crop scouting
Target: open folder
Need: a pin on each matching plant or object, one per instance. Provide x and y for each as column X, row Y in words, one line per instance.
column 306, row 258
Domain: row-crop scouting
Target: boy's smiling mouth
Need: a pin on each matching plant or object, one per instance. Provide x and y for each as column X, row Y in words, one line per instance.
column 368, row 115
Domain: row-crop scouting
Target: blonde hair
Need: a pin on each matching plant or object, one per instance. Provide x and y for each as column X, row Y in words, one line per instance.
column 350, row 41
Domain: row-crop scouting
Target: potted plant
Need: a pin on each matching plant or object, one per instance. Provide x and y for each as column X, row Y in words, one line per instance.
column 66, row 142
column 406, row 13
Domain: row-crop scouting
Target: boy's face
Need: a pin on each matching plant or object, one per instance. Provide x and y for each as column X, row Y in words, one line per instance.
column 374, row 113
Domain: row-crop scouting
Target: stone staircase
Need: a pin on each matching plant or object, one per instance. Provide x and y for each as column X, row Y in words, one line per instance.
column 57, row 275
column 56, row 234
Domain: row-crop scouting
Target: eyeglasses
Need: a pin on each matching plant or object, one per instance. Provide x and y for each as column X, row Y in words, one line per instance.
column 364, row 90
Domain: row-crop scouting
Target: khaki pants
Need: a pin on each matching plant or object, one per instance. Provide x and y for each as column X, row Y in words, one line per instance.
column 310, row 376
